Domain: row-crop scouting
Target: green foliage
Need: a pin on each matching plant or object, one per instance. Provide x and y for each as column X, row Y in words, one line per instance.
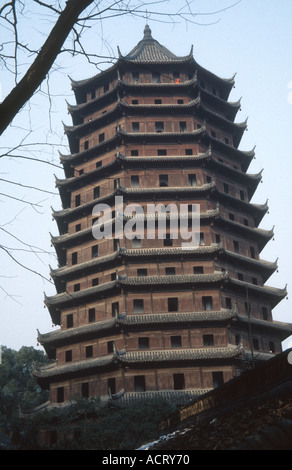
column 90, row 425
column 18, row 388
column 80, row 424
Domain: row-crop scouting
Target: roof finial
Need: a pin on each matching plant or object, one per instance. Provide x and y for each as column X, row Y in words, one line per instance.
column 147, row 30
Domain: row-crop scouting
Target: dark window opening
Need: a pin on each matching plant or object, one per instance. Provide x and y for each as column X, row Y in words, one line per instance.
column 135, row 126
column 77, row 200
column 89, row 351
column 208, row 340
column 101, row 137
column 175, row 341
column 138, row 305
column 136, row 242
column 60, row 395
column 115, row 309
column 96, row 192
column 192, row 180
column 85, row 390
column 143, row 343
column 68, row 356
column 136, row 77
column 91, row 315
column 252, row 252
column 265, row 313
column 112, row 385
column 168, row 241
column 178, row 381
column 161, row 152
column 207, row 303
column 183, row 126
column 170, row 271
column 236, row 246
column 74, row 258
column 69, row 320
column 142, row 272
column 198, row 270
column 163, row 181
column 76, row 287
column 172, row 304
column 94, row 251
column 156, row 77
column 218, row 379
column 159, row 126
column 228, row 303
column 139, row 383
column 135, row 182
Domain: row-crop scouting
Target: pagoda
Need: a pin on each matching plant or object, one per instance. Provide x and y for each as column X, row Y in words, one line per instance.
column 149, row 317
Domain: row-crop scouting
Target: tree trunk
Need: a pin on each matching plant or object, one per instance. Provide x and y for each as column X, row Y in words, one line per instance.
column 37, row 72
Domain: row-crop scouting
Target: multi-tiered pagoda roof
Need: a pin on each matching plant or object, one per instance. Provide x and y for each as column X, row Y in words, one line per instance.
column 155, row 318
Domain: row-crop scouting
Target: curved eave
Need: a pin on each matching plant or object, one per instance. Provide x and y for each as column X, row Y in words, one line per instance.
column 74, row 335
column 236, row 129
column 79, row 111
column 243, row 157
column 84, row 108
column 258, row 211
column 261, row 236
column 225, row 84
column 120, row 161
column 273, row 294
column 280, row 329
column 181, row 356
column 64, row 300
column 76, row 131
column 228, row 107
column 85, row 155
column 265, row 268
column 69, row 239
column 80, row 87
column 251, row 181
column 65, row 185
column 64, row 273
column 76, row 369
column 51, row 373
column 132, row 192
column 50, row 341
column 141, row 87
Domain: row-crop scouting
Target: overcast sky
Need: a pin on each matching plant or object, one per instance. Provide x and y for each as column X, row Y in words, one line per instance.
column 253, row 40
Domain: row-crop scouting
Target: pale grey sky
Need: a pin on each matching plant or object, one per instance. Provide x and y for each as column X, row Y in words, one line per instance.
column 253, row 40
